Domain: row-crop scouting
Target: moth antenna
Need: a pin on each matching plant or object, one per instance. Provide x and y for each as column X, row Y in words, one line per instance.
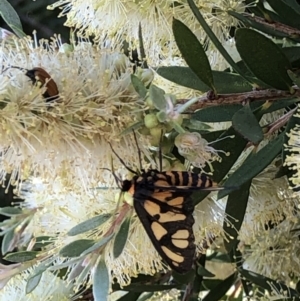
column 121, row 160
column 15, row 67
column 159, row 151
column 139, row 151
column 117, row 179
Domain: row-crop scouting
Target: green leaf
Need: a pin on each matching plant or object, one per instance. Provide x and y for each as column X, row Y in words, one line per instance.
column 98, row 244
column 131, row 296
column 279, row 104
column 246, row 124
column 8, row 241
column 101, row 283
column 264, row 58
column 89, row 224
column 233, row 145
column 121, row 238
column 203, row 272
column 268, row 283
column 10, row 211
column 213, row 37
column 294, row 77
column 75, row 248
column 293, row 55
column 235, row 211
column 221, row 289
column 11, row 18
column 253, row 165
column 138, row 86
column 293, row 4
column 22, row 256
column 224, row 82
column 33, row 281
column 183, row 278
column 219, row 113
column 193, row 52
column 43, row 241
column 157, row 95
column 287, row 14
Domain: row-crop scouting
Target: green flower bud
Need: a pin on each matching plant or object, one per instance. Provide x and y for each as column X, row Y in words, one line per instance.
column 178, row 166
column 149, row 102
column 156, row 135
column 151, row 121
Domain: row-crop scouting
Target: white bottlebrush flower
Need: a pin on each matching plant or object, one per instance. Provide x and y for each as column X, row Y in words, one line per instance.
column 50, row 288
column 62, row 208
column 270, row 201
column 119, row 19
column 209, row 216
column 274, row 252
column 67, row 137
column 292, row 150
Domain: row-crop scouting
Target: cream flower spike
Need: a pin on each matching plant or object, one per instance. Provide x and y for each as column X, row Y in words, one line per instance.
column 66, row 137
column 119, row 19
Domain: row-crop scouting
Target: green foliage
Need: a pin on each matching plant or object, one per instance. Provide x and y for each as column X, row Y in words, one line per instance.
column 270, row 58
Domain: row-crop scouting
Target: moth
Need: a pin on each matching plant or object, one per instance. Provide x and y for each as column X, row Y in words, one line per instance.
column 40, row 75
column 163, row 204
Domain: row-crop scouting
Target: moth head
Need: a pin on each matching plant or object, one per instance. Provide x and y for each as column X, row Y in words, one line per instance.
column 126, row 185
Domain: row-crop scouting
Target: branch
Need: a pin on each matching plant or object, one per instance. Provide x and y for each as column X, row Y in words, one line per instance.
column 240, row 98
column 274, row 25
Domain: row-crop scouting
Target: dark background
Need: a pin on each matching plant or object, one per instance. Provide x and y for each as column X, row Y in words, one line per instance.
column 35, row 16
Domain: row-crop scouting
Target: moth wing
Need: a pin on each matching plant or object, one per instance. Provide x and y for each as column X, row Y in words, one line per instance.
column 167, row 217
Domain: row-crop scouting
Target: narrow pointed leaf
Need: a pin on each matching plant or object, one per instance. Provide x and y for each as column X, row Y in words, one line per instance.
column 8, row 241
column 268, row 283
column 101, row 283
column 254, row 164
column 157, row 95
column 98, row 244
column 138, row 86
column 43, row 241
column 203, row 272
column 287, row 14
column 224, row 82
column 264, row 58
column 131, row 296
column 121, row 238
column 11, row 18
column 10, row 211
column 89, row 224
column 246, row 124
column 233, row 145
column 221, row 289
column 22, row 256
column 193, row 52
column 293, row 4
column 75, row 248
column 34, row 280
column 235, row 211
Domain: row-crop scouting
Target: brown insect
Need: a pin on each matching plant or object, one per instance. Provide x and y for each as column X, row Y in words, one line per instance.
column 40, row 75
